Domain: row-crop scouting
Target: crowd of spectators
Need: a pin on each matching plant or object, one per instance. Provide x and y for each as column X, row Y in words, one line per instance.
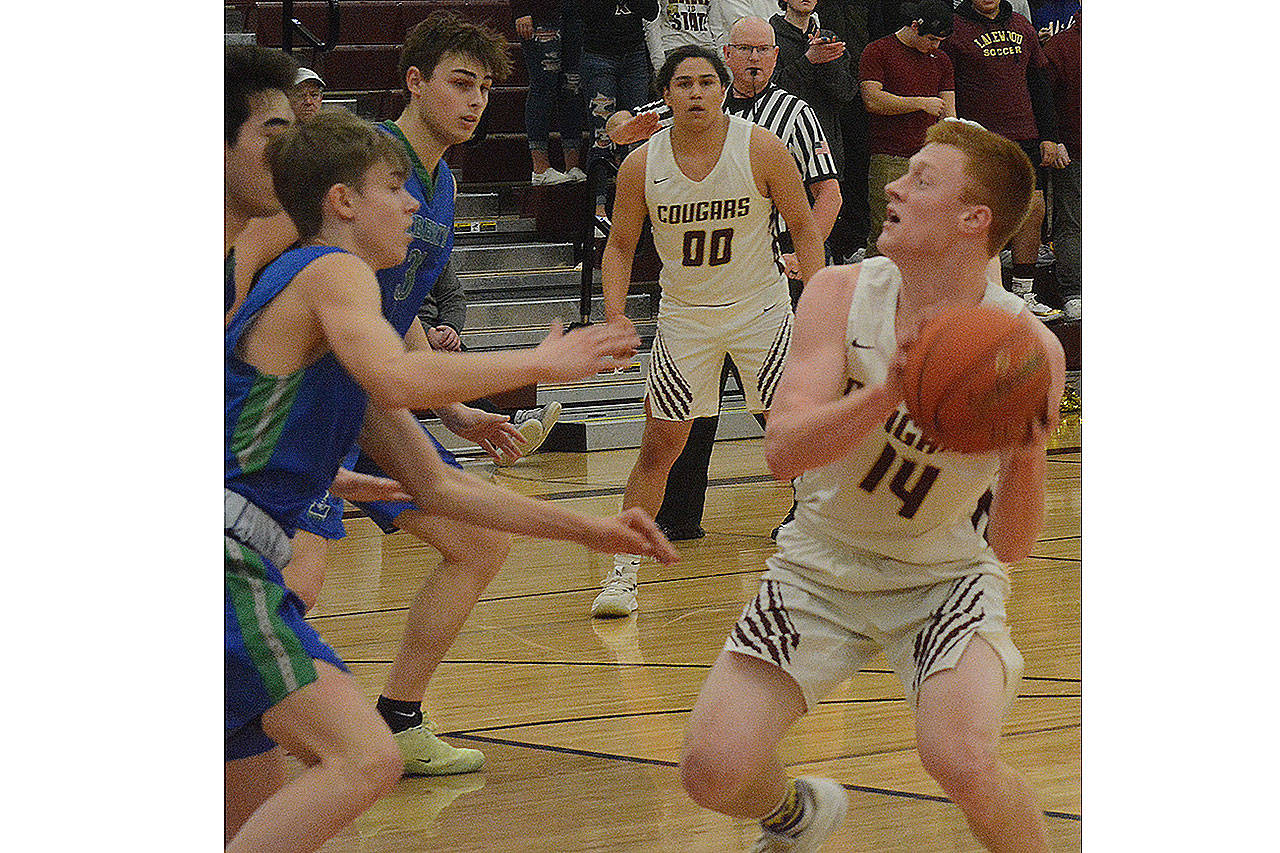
column 875, row 73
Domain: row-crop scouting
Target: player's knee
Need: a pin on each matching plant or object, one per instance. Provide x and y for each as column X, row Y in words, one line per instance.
column 658, row 456
column 711, row 774
column 376, row 768
column 482, row 554
column 961, row 764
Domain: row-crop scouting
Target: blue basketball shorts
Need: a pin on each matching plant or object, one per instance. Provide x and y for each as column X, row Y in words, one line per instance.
column 324, row 516
column 270, row 648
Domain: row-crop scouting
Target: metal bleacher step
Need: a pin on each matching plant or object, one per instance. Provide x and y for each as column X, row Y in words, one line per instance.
column 469, row 206
column 500, row 257
column 480, row 229
column 514, row 337
column 522, row 283
column 485, row 315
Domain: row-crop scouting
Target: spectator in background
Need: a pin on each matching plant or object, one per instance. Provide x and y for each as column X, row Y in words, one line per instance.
column 307, row 94
column 550, row 38
column 1002, row 83
column 813, row 66
column 1051, row 17
column 678, row 24
column 726, row 13
column 848, row 19
column 444, row 312
column 1063, row 52
column 908, row 84
column 888, row 16
column 615, row 70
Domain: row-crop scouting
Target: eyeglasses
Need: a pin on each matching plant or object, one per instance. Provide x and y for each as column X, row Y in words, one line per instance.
column 750, row 49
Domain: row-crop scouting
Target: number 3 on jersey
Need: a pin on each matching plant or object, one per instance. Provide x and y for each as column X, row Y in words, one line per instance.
column 695, row 247
column 416, row 257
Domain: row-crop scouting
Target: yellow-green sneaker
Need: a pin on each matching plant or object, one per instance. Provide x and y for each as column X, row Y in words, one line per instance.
column 426, row 755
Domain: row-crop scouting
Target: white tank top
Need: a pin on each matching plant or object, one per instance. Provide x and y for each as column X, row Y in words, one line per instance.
column 895, row 495
column 713, row 236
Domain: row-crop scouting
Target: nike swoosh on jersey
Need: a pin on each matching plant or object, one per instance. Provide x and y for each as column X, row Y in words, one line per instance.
column 660, row 180
column 854, row 343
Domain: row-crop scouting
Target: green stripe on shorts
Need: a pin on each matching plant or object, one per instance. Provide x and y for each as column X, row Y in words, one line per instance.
column 281, row 661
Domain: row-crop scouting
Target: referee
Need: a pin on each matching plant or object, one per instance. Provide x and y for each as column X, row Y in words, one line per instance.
column 751, row 55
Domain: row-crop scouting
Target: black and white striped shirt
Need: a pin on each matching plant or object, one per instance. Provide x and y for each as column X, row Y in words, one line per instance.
column 786, row 117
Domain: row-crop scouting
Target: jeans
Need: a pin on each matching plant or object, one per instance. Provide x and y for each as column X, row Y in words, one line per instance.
column 1066, row 228
column 610, row 84
column 552, row 58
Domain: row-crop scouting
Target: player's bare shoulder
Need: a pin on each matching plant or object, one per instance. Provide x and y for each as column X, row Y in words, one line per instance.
column 765, row 142
column 635, row 162
column 829, row 293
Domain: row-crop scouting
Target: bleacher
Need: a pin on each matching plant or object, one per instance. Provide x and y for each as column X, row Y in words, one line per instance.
column 517, row 247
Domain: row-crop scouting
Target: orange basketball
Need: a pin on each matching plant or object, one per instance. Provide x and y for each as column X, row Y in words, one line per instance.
column 976, row 379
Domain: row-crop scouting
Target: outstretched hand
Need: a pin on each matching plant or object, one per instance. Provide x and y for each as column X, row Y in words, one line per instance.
column 635, row 129
column 354, row 486
column 587, row 351
column 494, row 433
column 631, row 532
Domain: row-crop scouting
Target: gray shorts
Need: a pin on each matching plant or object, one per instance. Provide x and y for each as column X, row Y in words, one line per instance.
column 821, row 636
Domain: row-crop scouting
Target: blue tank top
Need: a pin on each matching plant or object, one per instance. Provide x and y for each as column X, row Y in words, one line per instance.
column 286, row 435
column 405, row 287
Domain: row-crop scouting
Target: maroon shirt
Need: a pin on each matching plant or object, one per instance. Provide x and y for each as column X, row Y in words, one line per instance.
column 1063, row 53
column 904, row 71
column 991, row 60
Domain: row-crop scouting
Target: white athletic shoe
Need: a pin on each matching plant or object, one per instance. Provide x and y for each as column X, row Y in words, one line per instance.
column 1072, row 309
column 549, row 177
column 534, row 425
column 1044, row 312
column 576, row 175
column 830, row 804
column 618, row 598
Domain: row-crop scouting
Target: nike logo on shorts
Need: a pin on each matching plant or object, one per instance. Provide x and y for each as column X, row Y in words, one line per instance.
column 660, row 180
column 854, row 343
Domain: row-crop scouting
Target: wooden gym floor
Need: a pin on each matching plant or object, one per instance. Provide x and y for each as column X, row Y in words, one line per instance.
column 581, row 720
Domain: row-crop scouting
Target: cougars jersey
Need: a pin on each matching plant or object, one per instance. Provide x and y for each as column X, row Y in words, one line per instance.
column 405, row 287
column 896, row 495
column 714, row 237
column 286, row 435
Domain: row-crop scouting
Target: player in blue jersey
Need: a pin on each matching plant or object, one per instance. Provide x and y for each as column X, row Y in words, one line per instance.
column 311, row 362
column 447, row 66
column 255, row 81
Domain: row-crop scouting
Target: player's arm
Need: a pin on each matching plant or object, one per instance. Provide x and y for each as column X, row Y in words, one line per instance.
column 783, row 187
column 826, row 205
column 814, row 420
column 1017, row 506
column 397, row 443
column 629, row 212
column 342, row 295
column 494, row 433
